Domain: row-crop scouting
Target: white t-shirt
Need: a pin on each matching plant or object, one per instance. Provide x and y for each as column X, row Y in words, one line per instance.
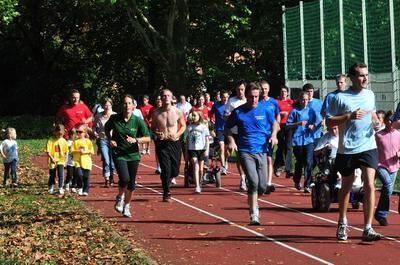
column 232, row 104
column 138, row 113
column 10, row 150
column 331, row 140
column 196, row 136
column 185, row 108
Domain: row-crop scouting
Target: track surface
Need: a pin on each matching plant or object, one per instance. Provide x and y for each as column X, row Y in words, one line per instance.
column 212, row 227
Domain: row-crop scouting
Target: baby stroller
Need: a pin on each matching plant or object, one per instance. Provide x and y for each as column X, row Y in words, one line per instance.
column 326, row 190
column 213, row 173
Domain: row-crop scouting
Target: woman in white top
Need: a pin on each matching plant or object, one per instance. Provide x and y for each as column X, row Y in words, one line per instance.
column 102, row 141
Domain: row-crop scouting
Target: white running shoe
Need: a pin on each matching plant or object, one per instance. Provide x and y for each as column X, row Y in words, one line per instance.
column 80, row 192
column 51, row 190
column 197, row 189
column 85, row 194
column 61, row 191
column 173, row 181
column 73, row 190
column 126, row 211
column 243, row 186
column 67, row 187
column 119, row 201
column 254, row 219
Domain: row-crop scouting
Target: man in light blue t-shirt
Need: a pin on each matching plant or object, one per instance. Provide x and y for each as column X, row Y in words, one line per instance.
column 353, row 111
column 257, row 127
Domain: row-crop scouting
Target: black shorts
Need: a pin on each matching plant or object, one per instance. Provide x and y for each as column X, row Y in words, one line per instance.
column 199, row 154
column 347, row 163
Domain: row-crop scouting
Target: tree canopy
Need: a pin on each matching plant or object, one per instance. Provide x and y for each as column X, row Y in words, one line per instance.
column 109, row 47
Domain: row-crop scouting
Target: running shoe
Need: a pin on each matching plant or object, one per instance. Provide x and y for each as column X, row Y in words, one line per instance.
column 307, row 190
column 224, row 171
column 85, row 194
column 297, row 186
column 173, row 181
column 119, row 204
column 370, row 235
column 254, row 219
column 166, row 197
column 126, row 211
column 80, row 192
column 158, row 170
column 341, row 232
column 197, row 189
column 61, row 191
column 243, row 186
column 51, row 190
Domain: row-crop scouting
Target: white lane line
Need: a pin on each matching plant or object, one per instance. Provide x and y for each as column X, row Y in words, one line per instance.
column 322, row 261
column 291, row 209
column 242, row 227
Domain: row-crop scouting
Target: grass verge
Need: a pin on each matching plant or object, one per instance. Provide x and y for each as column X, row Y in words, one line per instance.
column 37, row 228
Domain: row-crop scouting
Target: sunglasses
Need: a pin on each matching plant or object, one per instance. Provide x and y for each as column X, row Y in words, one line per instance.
column 80, row 131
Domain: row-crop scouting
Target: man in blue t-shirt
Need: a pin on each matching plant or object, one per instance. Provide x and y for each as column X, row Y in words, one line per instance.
column 353, row 111
column 257, row 127
column 340, row 87
column 218, row 111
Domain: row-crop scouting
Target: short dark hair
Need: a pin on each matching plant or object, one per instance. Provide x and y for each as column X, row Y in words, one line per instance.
column 352, row 69
column 251, row 87
column 73, row 91
column 308, row 86
column 240, row 82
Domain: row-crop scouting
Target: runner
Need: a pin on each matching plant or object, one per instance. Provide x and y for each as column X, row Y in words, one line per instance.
column 168, row 123
column 353, row 111
column 256, row 124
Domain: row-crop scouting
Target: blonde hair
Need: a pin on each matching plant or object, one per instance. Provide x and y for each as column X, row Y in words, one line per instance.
column 9, row 130
column 191, row 117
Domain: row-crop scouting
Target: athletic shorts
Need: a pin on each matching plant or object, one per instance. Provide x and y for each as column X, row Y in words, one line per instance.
column 220, row 136
column 199, row 154
column 347, row 163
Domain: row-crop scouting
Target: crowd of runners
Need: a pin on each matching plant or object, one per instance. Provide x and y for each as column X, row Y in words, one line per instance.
column 263, row 133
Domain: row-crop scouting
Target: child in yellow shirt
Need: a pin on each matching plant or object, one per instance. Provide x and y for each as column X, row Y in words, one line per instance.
column 57, row 150
column 82, row 149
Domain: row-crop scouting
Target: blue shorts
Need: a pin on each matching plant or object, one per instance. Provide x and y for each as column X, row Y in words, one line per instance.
column 220, row 136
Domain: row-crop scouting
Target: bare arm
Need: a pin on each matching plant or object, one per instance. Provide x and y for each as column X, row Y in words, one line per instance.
column 182, row 123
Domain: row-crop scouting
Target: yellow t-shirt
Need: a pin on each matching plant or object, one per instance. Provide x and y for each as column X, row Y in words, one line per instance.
column 58, row 149
column 82, row 160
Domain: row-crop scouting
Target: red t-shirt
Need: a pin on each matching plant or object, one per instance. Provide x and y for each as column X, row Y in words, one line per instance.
column 204, row 110
column 145, row 109
column 287, row 106
column 72, row 115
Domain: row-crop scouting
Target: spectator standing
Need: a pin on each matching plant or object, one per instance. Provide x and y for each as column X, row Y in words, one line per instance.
column 9, row 152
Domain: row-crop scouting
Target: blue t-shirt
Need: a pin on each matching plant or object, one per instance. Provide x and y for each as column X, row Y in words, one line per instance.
column 301, row 134
column 355, row 136
column 328, row 100
column 316, row 105
column 271, row 104
column 254, row 128
column 218, row 109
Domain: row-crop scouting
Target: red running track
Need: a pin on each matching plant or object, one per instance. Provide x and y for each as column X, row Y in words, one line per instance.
column 212, row 227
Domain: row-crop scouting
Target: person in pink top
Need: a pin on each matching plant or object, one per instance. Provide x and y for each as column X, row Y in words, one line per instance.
column 74, row 113
column 388, row 142
column 284, row 152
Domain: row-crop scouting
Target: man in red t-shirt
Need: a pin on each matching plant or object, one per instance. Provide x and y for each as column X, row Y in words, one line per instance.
column 203, row 108
column 145, row 109
column 283, row 156
column 74, row 113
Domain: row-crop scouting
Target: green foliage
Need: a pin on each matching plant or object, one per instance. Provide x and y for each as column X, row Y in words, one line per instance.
column 28, row 126
column 8, row 11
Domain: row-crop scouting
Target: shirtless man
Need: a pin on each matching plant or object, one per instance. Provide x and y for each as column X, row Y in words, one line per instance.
column 168, row 123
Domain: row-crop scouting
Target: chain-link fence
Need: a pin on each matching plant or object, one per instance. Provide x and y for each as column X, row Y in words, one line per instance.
column 324, row 38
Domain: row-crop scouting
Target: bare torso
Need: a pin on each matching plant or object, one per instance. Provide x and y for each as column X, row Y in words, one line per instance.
column 165, row 123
